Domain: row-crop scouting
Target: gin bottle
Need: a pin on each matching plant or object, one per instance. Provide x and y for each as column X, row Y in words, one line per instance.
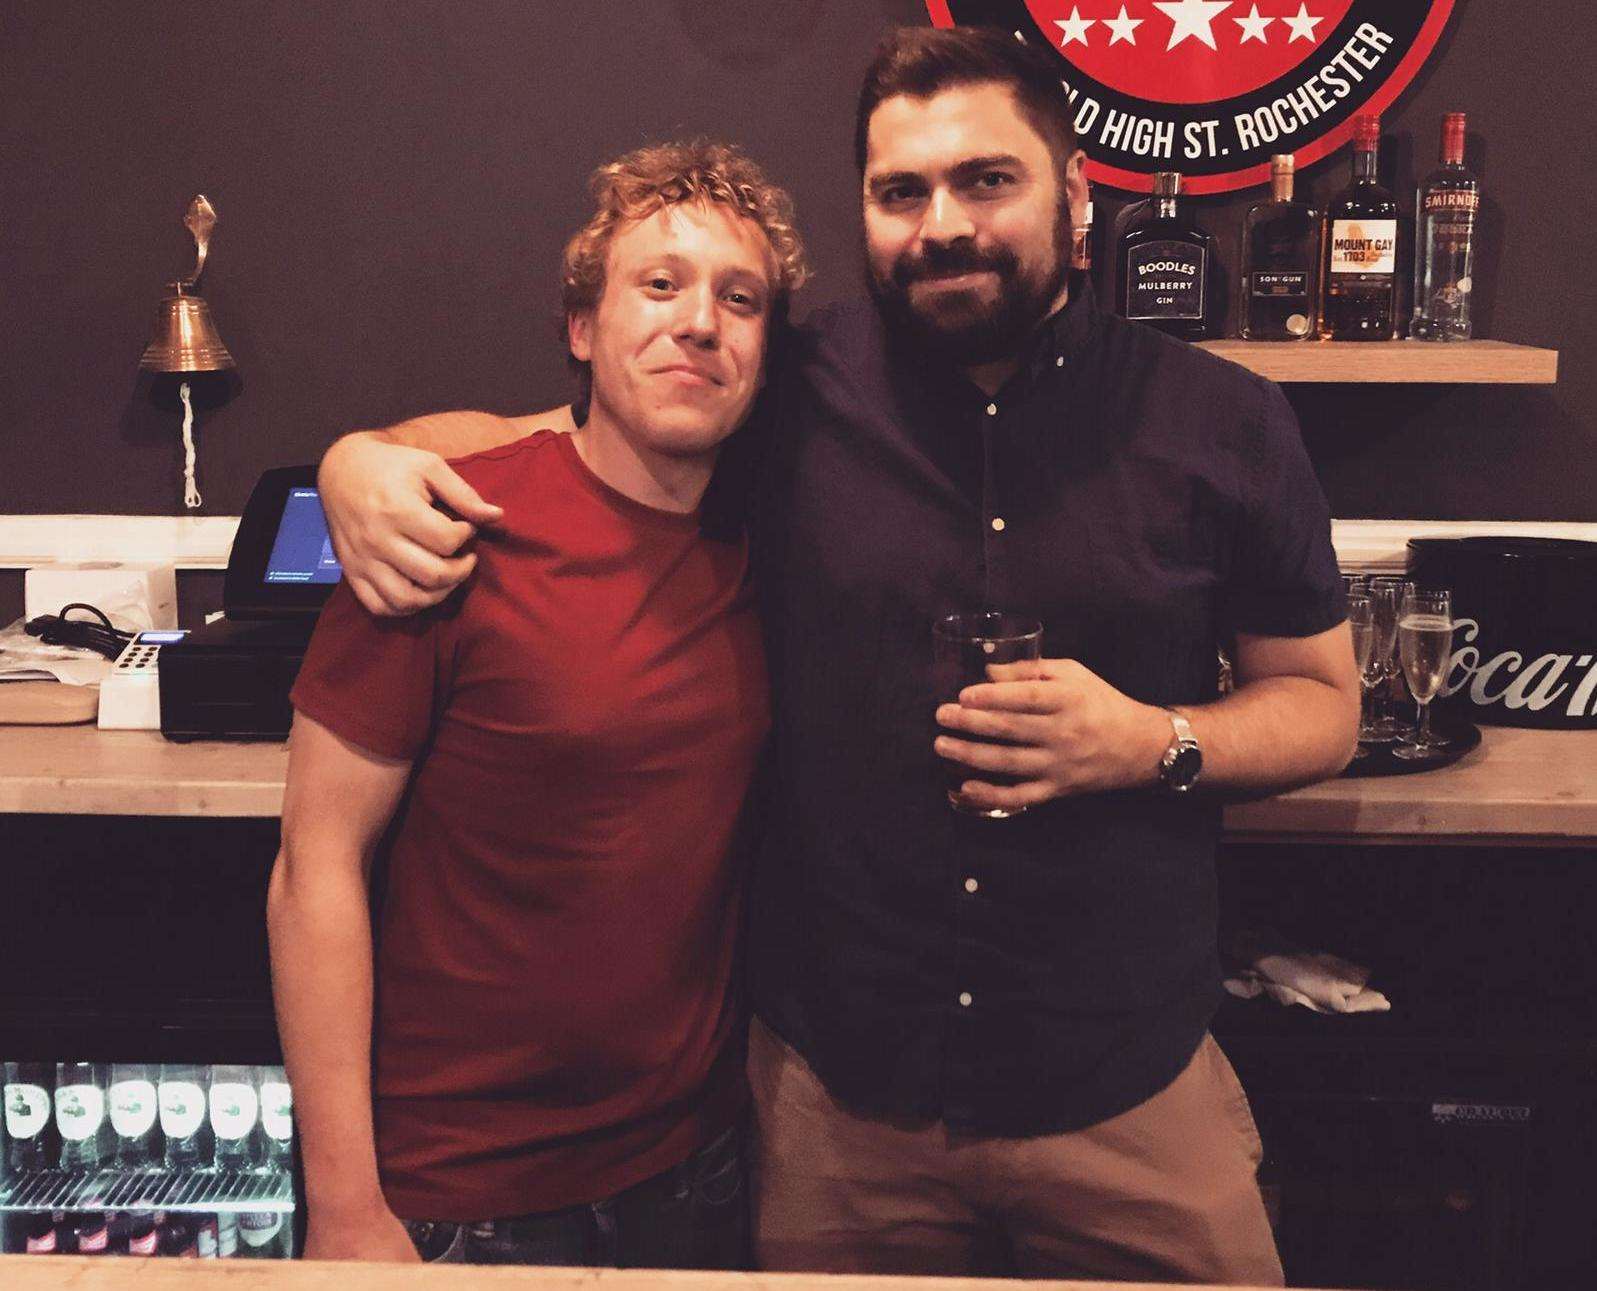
column 1280, row 263
column 1164, row 262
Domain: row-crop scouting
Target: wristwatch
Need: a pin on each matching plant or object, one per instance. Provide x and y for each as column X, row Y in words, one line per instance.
column 1182, row 762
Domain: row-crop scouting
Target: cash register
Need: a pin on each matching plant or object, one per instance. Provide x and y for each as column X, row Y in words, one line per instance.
column 230, row 679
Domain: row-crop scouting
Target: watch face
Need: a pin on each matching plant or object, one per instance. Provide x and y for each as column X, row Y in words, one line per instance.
column 1184, row 767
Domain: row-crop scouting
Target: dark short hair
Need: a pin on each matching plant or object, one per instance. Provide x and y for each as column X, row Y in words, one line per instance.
column 923, row 61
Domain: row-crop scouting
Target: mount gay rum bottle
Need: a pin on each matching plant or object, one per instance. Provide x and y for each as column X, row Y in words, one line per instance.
column 1359, row 289
column 1281, row 263
column 1444, row 242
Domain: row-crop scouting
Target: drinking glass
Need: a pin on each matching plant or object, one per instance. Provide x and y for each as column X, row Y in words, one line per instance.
column 1385, row 597
column 963, row 645
column 1425, row 644
column 1361, row 624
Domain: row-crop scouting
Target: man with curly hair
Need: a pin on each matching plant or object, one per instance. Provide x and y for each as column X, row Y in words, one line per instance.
column 541, row 1062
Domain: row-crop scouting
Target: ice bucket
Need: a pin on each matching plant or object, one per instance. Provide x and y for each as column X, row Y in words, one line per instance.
column 1525, row 648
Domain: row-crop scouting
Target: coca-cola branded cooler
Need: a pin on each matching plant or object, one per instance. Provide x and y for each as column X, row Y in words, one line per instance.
column 1525, row 642
column 146, row 1112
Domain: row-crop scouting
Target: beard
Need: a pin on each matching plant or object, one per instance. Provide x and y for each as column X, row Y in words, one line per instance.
column 960, row 327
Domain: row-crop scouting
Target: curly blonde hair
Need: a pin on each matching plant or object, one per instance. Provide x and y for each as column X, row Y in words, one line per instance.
column 646, row 180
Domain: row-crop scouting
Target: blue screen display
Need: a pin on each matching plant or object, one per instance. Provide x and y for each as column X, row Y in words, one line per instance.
column 302, row 552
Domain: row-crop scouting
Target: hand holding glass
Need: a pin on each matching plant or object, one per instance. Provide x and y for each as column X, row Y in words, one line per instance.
column 963, row 645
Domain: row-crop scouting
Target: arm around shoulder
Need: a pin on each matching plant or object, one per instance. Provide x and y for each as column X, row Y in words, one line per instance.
column 399, row 515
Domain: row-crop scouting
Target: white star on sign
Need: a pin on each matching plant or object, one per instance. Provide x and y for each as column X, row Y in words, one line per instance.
column 1191, row 18
column 1253, row 27
column 1074, row 27
column 1124, row 28
column 1302, row 26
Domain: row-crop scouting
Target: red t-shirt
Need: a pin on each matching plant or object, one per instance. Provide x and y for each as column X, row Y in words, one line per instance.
column 555, row 1014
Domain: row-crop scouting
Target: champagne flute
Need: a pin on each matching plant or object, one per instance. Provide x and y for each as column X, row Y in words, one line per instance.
column 1425, row 644
column 1361, row 625
column 1385, row 601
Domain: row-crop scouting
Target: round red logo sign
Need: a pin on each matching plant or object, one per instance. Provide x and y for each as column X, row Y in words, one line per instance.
column 1212, row 88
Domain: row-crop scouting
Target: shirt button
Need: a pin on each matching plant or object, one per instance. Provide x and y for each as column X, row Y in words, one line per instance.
column 998, row 524
column 971, row 885
column 1059, row 362
column 964, row 999
column 992, row 410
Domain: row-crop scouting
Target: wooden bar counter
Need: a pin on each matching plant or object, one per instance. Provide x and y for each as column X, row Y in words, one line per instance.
column 88, row 1273
column 1521, row 787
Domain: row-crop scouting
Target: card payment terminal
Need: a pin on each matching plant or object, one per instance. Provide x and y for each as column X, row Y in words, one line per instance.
column 230, row 679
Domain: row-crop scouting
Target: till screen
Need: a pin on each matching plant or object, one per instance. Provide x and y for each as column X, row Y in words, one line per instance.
column 302, row 552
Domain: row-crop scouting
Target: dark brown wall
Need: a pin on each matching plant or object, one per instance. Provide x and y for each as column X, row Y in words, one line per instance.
column 395, row 180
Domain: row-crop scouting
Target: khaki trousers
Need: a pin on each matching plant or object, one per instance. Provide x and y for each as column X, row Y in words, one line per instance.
column 1165, row 1191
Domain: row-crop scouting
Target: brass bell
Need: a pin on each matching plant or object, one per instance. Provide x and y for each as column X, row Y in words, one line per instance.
column 185, row 338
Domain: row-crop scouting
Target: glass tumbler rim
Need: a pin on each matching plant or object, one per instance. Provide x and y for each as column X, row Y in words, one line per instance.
column 1018, row 627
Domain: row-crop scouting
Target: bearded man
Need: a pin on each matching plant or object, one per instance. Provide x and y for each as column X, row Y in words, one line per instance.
column 981, row 1044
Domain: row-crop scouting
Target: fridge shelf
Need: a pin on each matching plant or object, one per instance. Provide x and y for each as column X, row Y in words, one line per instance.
column 172, row 1190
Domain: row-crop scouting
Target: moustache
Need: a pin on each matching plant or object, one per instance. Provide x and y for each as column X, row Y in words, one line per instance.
column 950, row 261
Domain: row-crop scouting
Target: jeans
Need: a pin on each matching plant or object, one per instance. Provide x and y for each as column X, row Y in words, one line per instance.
column 693, row 1216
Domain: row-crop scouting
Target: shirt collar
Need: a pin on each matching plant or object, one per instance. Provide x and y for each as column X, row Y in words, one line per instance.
column 1065, row 332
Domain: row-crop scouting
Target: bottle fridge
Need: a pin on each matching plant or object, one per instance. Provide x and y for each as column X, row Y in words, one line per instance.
column 146, row 1112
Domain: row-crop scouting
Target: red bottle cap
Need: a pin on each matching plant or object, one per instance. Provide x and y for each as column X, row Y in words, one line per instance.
column 1453, row 138
column 1366, row 132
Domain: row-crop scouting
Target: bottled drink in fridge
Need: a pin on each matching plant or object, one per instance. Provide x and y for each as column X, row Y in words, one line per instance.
column 182, row 1099
column 133, row 1115
column 91, row 1232
column 29, row 1139
column 205, row 1237
column 226, row 1235
column 263, row 1235
column 80, row 1114
column 41, row 1238
column 235, row 1113
column 141, row 1233
column 175, row 1236
column 277, row 1117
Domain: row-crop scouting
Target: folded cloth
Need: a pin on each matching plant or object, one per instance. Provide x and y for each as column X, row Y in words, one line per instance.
column 1317, row 980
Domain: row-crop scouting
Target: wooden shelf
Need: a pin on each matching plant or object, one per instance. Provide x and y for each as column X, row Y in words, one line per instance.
column 1463, row 362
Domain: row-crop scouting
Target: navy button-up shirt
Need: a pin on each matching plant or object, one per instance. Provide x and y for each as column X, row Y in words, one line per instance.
column 1143, row 499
